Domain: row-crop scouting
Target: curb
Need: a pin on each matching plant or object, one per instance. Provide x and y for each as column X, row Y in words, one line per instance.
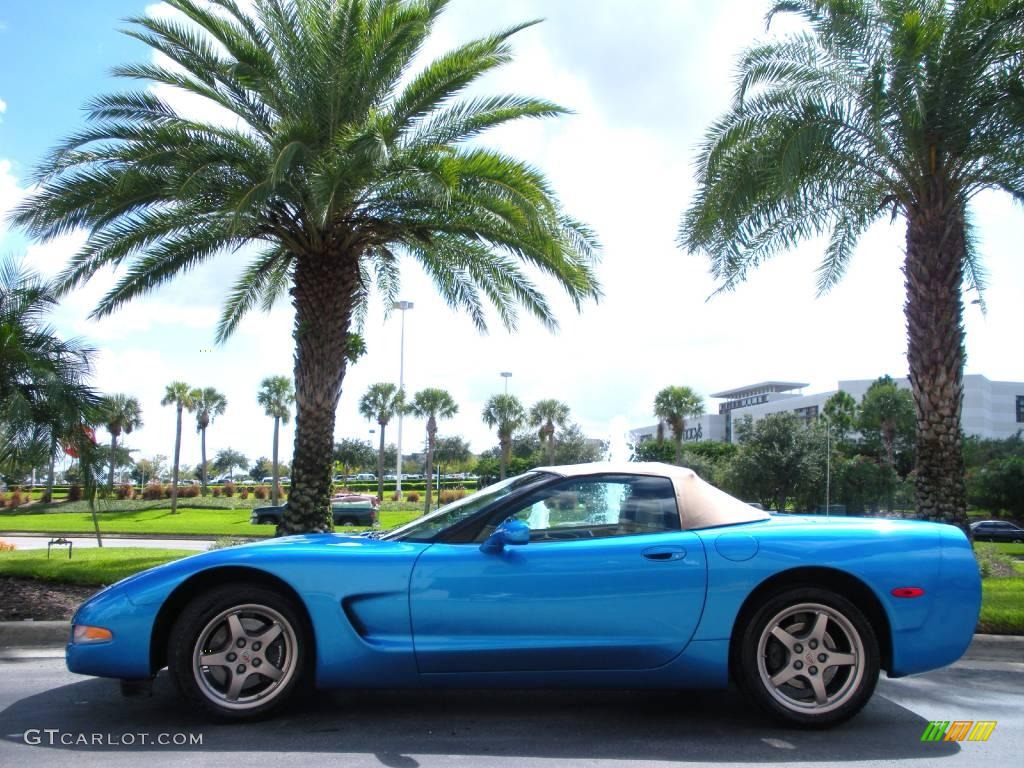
column 34, row 634
column 55, row 634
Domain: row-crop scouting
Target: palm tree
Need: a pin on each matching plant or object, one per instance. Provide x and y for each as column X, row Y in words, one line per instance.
column 673, row 405
column 121, row 413
column 507, row 414
column 887, row 411
column 208, row 404
column 381, row 402
column 276, row 395
column 179, row 394
column 340, row 158
column 546, row 414
column 432, row 404
column 902, row 108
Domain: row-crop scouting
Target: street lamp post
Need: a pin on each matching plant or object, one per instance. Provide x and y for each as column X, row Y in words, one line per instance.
column 506, row 375
column 402, row 306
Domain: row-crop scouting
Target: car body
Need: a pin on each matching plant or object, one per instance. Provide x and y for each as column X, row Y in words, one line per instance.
column 355, row 499
column 997, row 530
column 352, row 512
column 595, row 575
column 364, row 477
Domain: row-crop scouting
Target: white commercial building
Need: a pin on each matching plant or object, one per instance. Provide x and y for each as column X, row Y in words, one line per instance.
column 992, row 409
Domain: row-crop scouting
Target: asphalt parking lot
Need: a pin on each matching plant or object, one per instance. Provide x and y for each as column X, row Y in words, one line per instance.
column 408, row 729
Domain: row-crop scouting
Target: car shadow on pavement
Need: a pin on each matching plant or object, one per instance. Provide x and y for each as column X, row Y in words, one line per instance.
column 396, row 725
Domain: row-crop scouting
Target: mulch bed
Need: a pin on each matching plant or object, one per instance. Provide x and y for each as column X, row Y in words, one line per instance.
column 22, row 599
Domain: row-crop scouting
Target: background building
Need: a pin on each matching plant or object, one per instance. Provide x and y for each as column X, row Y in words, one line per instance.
column 991, row 409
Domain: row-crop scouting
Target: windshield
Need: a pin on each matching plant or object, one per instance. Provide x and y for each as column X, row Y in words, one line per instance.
column 426, row 528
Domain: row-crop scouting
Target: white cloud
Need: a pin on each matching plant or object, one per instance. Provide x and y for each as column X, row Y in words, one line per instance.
column 3, row 108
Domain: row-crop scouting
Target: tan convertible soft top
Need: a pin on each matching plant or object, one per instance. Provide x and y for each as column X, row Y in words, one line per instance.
column 701, row 505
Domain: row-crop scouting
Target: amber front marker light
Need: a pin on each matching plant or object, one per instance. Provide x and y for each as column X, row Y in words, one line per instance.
column 83, row 633
column 907, row 592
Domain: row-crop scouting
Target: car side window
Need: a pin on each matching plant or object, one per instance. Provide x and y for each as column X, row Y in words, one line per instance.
column 595, row 507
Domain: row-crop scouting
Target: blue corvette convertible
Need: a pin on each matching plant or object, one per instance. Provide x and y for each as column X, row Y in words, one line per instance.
column 596, row 575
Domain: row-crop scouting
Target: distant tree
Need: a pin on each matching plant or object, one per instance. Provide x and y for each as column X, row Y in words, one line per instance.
column 572, row 446
column 674, row 405
column 887, row 414
column 147, row 470
column 451, row 450
column 228, row 460
column 432, row 404
column 207, row 403
column 841, row 411
column 351, row 454
column 653, row 450
column 506, row 413
column 178, row 394
column 380, row 403
column 547, row 414
column 276, row 395
column 998, row 485
column 778, row 455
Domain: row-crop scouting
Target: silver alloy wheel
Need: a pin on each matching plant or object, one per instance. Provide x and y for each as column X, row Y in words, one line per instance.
column 245, row 656
column 810, row 658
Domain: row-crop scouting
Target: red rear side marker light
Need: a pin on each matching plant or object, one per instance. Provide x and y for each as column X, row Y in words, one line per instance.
column 907, row 592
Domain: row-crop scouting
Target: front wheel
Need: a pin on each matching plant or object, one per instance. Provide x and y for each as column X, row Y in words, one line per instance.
column 239, row 651
column 809, row 657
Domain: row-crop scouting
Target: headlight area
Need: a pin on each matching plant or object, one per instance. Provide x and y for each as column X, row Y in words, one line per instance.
column 83, row 634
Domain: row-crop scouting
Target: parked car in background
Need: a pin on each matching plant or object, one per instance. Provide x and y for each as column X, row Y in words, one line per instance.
column 345, row 514
column 630, row 575
column 355, row 499
column 365, row 477
column 997, row 530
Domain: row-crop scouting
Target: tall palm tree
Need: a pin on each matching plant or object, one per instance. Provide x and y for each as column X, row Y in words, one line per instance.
column 546, row 414
column 339, row 158
column 121, row 413
column 208, row 404
column 179, row 394
column 380, row 403
column 506, row 413
column 673, row 406
column 276, row 395
column 432, row 404
column 897, row 109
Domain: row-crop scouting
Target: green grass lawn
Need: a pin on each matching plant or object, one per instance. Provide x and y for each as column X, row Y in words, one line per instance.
column 157, row 520
column 1002, row 547
column 1002, row 606
column 87, row 566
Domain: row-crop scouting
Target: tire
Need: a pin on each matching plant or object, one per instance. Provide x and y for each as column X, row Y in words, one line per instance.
column 346, row 522
column 264, row 520
column 809, row 657
column 230, row 625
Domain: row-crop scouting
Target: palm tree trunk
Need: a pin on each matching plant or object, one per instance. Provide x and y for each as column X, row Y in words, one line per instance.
column 51, row 469
column 202, row 454
column 935, row 353
column 380, row 465
column 274, row 496
column 550, row 427
column 177, row 457
column 113, row 450
column 323, row 294
column 506, row 450
column 431, row 437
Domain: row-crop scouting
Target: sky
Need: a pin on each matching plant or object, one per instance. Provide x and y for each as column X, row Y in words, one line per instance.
column 644, row 80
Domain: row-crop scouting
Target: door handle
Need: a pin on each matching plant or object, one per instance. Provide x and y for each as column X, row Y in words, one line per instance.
column 664, row 554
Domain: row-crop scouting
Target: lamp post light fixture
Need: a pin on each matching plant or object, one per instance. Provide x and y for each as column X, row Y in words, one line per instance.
column 401, row 306
column 506, row 375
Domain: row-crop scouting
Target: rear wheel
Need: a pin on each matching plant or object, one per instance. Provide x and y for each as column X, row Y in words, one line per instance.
column 346, row 522
column 264, row 520
column 239, row 651
column 809, row 657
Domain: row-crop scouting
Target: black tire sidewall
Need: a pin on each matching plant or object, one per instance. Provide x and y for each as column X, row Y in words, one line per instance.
column 185, row 633
column 750, row 679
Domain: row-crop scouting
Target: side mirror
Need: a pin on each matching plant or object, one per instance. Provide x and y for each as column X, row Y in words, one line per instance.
column 509, row 532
